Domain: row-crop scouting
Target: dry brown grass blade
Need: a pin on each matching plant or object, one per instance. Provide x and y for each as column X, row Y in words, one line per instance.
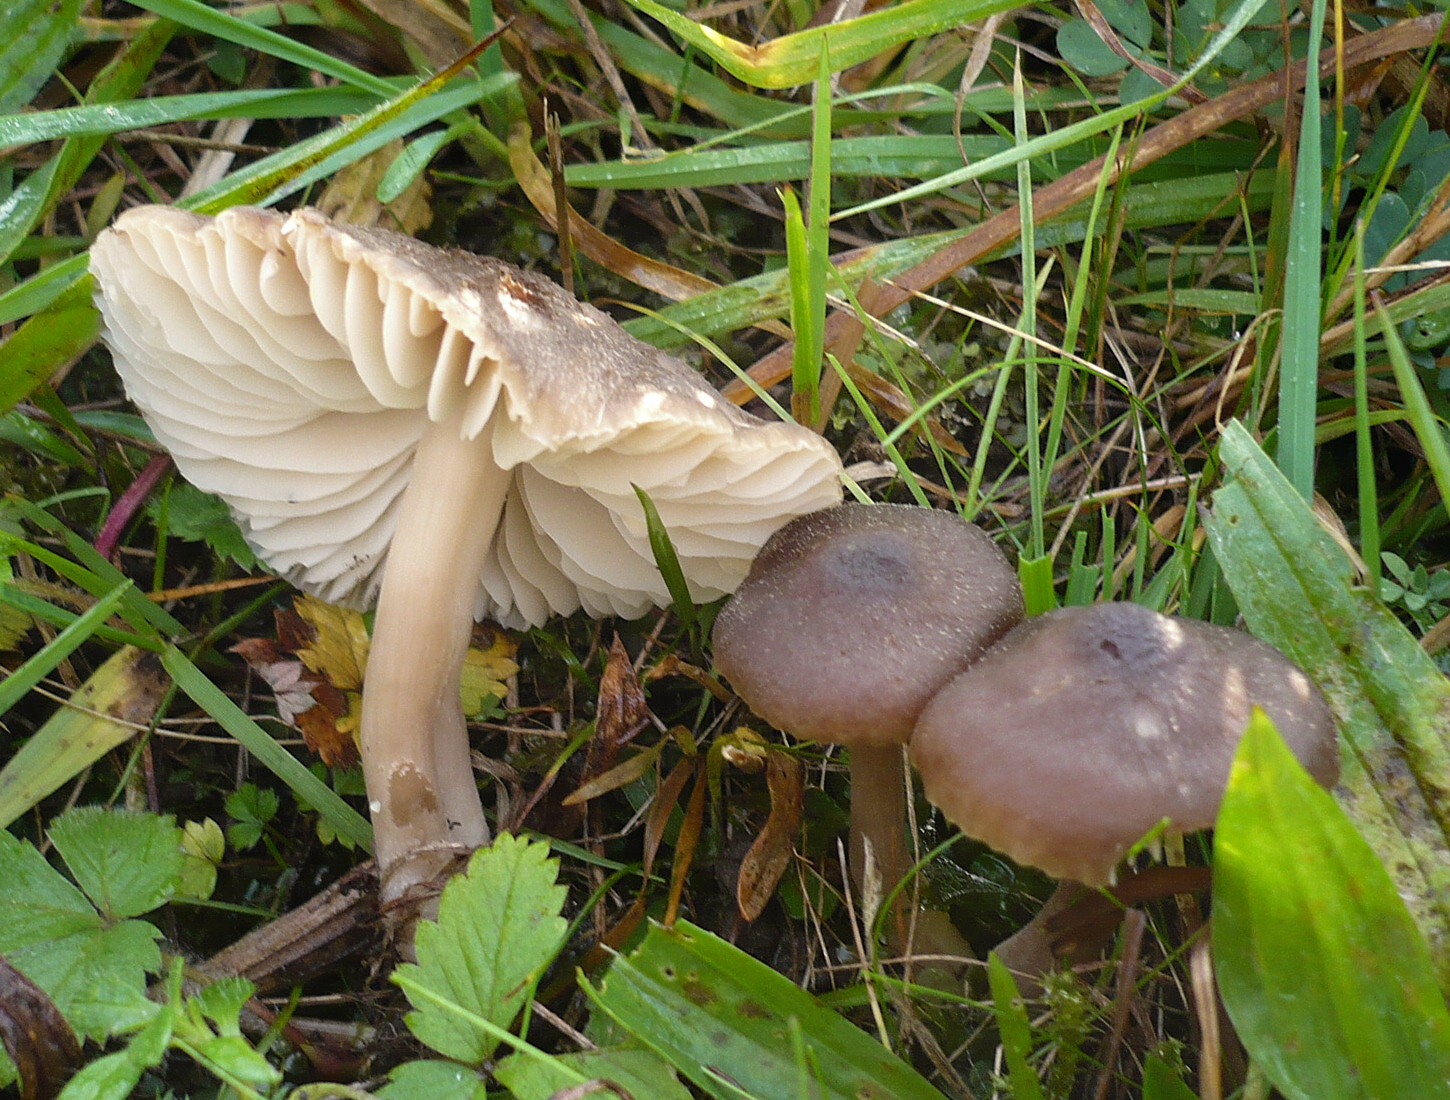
column 537, row 183
column 685, row 845
column 1078, row 185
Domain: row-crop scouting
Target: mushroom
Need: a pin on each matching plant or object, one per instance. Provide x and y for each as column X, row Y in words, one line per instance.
column 1084, row 728
column 443, row 433
column 850, row 620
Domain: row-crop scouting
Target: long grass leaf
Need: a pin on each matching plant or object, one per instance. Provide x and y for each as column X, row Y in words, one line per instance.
column 286, row 767
column 40, row 664
column 1299, row 361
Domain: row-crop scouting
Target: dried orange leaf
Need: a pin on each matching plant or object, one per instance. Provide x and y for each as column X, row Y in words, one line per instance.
column 770, row 855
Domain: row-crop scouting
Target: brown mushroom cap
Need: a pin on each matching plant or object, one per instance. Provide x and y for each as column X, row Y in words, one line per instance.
column 1085, row 727
column 851, row 619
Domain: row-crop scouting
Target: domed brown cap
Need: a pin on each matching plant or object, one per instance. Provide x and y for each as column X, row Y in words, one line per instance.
column 1085, row 727
column 851, row 618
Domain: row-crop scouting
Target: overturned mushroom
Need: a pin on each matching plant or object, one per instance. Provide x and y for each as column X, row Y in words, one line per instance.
column 444, row 433
column 850, row 620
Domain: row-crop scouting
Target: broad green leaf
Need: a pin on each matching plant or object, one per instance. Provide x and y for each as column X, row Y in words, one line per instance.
column 1321, row 968
column 114, row 1076
column 202, row 517
column 37, row 33
column 643, row 1072
column 127, row 863
column 1161, row 1081
column 1296, row 590
column 498, row 927
column 727, row 1022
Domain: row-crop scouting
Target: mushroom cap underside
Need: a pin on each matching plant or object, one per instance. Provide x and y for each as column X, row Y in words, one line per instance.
column 290, row 365
column 853, row 617
column 1084, row 728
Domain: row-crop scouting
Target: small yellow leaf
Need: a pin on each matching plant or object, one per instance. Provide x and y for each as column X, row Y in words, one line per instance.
column 339, row 649
column 484, row 673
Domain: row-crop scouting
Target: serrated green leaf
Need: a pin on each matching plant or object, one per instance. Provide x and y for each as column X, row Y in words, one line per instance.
column 433, row 1080
column 643, row 1072
column 37, row 33
column 202, row 517
column 498, row 927
column 127, row 863
column 1323, row 972
column 724, row 1020
column 114, row 1076
column 93, row 968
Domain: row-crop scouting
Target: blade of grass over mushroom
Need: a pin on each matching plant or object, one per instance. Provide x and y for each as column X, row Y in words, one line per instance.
column 1427, row 427
column 283, row 173
column 1296, row 589
column 1321, row 968
column 668, row 563
column 286, row 767
column 793, row 59
column 1299, row 331
column 723, row 1019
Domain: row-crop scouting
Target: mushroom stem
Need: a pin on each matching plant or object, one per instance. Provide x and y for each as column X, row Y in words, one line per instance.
column 421, row 790
column 878, row 816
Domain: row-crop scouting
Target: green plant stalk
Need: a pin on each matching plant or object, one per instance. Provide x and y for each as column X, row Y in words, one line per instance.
column 879, row 431
column 1299, row 334
column 1028, row 324
column 1369, row 517
column 804, row 322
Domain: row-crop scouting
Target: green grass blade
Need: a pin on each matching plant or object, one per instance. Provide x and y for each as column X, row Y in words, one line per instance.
column 1299, row 334
column 1427, row 427
column 228, row 28
column 39, row 665
column 286, row 767
column 668, row 563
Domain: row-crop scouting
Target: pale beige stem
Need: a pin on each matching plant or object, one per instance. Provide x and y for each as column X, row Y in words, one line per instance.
column 421, row 788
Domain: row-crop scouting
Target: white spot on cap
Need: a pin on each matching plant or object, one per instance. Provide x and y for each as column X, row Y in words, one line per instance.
column 375, row 807
column 519, row 311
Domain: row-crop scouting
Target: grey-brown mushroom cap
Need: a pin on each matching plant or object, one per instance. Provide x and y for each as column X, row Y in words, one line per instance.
column 290, row 365
column 852, row 618
column 1083, row 728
